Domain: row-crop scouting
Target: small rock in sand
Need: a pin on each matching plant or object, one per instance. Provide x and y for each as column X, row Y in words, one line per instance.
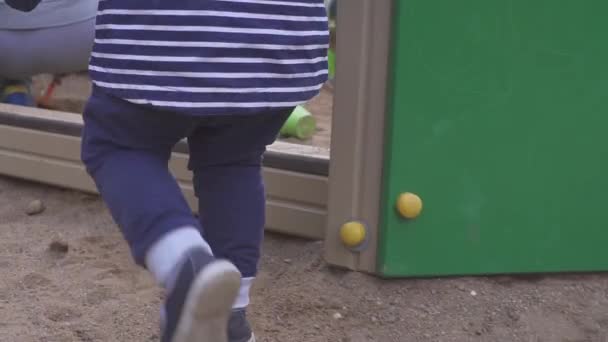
column 35, row 207
column 59, row 248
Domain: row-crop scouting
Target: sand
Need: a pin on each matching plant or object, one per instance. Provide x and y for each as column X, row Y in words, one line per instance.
column 67, row 276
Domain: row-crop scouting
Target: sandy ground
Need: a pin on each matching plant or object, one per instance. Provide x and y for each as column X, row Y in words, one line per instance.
column 89, row 290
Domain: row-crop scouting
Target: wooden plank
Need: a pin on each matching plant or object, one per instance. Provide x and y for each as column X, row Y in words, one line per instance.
column 285, row 185
column 30, row 113
column 358, row 128
column 296, row 203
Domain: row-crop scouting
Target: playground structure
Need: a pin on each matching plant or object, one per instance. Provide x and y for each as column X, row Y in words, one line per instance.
column 467, row 144
column 44, row 146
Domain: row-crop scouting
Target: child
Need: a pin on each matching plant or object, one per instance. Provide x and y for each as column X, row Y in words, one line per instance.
column 225, row 74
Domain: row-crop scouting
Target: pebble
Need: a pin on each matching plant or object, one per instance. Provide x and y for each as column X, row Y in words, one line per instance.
column 337, row 315
column 287, row 261
column 514, row 316
column 473, row 293
column 59, row 248
column 35, row 207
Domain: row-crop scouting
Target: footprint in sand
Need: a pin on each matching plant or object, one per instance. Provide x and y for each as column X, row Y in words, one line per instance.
column 98, row 295
column 34, row 281
column 61, row 313
column 94, row 240
column 86, row 335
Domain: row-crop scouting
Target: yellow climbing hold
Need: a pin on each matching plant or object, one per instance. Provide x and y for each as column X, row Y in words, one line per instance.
column 409, row 205
column 353, row 234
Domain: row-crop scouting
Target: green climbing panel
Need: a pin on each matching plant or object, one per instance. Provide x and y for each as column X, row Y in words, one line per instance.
column 498, row 120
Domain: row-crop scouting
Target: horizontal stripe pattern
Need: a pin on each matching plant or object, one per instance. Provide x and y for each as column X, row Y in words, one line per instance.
column 179, row 21
column 191, row 59
column 207, row 44
column 215, row 52
column 216, row 29
column 207, row 75
column 205, row 90
column 230, row 70
column 194, row 82
column 211, row 57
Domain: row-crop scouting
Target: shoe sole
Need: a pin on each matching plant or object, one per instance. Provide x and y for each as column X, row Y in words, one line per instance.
column 209, row 304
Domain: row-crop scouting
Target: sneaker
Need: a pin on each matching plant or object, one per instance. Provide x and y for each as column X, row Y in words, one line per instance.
column 199, row 302
column 239, row 329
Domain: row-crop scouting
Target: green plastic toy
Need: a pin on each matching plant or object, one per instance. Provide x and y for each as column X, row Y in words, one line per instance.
column 331, row 61
column 300, row 124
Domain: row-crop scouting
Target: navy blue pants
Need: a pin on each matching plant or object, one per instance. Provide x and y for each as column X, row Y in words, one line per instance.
column 126, row 148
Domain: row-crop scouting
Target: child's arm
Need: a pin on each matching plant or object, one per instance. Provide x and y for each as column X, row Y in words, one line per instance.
column 23, row 5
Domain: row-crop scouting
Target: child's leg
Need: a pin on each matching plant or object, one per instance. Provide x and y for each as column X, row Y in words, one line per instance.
column 226, row 157
column 126, row 150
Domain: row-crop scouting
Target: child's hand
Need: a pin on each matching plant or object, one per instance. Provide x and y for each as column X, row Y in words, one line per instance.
column 23, row 5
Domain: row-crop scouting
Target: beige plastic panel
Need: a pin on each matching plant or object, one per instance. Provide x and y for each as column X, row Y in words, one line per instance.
column 358, row 127
column 296, row 206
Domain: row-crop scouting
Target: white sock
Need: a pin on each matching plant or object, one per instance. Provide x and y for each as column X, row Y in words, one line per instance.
column 242, row 300
column 167, row 252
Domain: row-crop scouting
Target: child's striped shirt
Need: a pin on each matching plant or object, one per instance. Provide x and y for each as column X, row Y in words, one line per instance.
column 211, row 57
